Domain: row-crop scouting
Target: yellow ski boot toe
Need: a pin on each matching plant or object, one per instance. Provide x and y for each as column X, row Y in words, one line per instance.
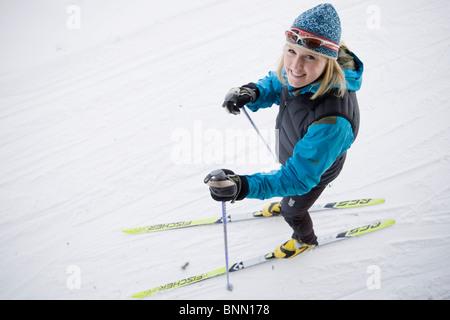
column 291, row 249
column 272, row 209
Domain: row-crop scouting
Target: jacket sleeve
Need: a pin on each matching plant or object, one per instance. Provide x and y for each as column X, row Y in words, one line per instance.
column 312, row 156
column 270, row 89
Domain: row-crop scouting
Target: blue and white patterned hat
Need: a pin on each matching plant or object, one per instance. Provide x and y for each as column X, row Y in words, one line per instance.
column 321, row 21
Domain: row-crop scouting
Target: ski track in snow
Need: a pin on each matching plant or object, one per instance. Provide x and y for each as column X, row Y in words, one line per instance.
column 88, row 138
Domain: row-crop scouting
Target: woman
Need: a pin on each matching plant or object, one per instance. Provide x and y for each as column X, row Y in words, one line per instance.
column 318, row 120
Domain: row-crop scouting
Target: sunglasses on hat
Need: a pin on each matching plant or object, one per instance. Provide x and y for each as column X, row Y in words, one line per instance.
column 309, row 40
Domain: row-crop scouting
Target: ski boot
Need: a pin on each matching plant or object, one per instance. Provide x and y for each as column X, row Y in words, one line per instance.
column 272, row 209
column 291, row 249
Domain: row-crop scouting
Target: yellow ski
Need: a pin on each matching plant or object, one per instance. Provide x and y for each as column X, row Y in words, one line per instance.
column 246, row 263
column 251, row 215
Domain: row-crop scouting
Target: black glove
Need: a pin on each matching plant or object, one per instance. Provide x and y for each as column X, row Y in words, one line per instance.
column 224, row 185
column 236, row 98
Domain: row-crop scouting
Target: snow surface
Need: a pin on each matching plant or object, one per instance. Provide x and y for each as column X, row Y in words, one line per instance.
column 114, row 125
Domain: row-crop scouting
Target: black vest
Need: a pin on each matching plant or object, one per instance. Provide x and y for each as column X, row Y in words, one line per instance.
column 297, row 113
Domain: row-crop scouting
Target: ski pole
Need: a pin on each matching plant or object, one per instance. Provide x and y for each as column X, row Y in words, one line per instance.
column 224, row 220
column 259, row 134
column 219, row 178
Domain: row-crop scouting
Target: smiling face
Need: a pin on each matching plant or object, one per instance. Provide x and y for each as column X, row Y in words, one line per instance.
column 302, row 67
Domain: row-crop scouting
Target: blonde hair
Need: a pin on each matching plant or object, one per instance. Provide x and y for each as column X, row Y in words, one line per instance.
column 332, row 78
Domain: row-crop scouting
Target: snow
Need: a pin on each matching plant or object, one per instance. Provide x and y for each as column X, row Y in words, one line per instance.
column 115, row 124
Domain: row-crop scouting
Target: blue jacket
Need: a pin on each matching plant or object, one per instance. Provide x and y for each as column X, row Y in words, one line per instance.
column 316, row 151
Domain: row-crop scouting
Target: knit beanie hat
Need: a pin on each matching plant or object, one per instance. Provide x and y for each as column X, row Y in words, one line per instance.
column 323, row 22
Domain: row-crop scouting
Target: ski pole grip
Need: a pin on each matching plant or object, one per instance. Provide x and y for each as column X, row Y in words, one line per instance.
column 218, row 179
